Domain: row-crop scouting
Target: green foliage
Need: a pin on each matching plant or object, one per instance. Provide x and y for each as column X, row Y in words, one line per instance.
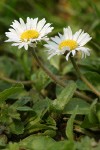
column 82, row 109
column 41, row 80
column 69, row 127
column 8, row 92
column 64, row 97
column 43, row 142
column 35, row 112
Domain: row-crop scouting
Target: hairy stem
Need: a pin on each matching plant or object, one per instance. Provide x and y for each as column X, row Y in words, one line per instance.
column 6, row 79
column 56, row 79
column 82, row 77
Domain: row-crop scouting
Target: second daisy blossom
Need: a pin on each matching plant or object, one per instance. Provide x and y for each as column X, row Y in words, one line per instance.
column 26, row 34
column 68, row 43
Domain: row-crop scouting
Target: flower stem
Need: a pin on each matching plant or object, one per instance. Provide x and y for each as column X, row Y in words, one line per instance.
column 82, row 77
column 56, row 79
column 6, row 79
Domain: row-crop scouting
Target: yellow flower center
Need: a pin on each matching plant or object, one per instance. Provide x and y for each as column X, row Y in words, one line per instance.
column 68, row 43
column 29, row 34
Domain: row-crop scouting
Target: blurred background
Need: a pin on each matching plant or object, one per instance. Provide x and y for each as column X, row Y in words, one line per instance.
column 77, row 14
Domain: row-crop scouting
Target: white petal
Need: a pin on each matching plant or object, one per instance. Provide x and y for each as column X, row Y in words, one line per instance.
column 81, row 36
column 26, row 47
column 20, row 46
column 76, row 35
column 73, row 52
column 15, row 44
column 66, row 33
column 69, row 33
column 34, row 23
column 85, row 41
column 67, row 56
column 22, row 23
column 40, row 24
column 46, row 29
column 84, row 50
column 28, row 23
column 56, row 39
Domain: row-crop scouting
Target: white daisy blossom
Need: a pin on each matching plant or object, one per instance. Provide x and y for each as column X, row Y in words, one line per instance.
column 26, row 34
column 68, row 43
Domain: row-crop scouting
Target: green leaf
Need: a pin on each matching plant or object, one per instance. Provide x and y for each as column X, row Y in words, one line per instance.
column 86, row 123
column 6, row 66
column 12, row 146
column 24, row 108
column 91, row 119
column 50, row 133
column 37, row 127
column 62, row 145
column 69, row 127
column 92, row 113
column 94, row 78
column 91, row 64
column 81, row 85
column 51, row 121
column 41, row 80
column 98, row 111
column 87, row 143
column 83, row 106
column 37, row 142
column 32, row 122
column 8, row 92
column 17, row 127
column 23, row 99
column 64, row 97
column 42, row 105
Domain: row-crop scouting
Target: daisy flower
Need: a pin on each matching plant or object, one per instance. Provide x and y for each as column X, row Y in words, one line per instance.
column 68, row 43
column 26, row 34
